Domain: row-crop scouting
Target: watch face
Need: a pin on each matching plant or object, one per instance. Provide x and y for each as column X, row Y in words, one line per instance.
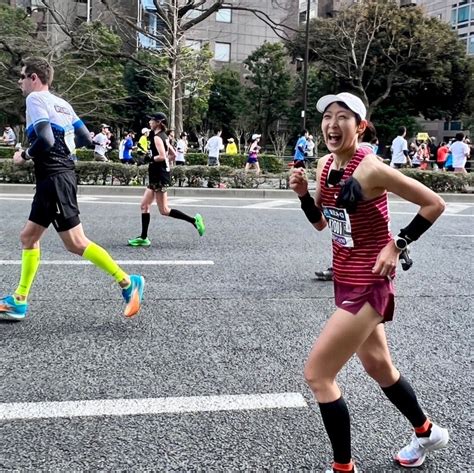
column 400, row 243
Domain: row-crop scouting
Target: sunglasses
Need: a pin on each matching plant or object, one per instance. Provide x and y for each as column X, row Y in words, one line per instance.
column 25, row 76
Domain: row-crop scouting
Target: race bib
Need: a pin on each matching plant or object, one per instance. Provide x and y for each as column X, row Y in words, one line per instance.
column 340, row 225
column 69, row 139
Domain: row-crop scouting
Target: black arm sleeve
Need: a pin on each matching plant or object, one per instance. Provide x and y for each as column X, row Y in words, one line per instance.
column 415, row 228
column 405, row 152
column 82, row 137
column 312, row 212
column 44, row 140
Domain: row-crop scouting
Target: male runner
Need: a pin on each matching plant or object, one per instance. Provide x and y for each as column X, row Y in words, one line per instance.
column 53, row 131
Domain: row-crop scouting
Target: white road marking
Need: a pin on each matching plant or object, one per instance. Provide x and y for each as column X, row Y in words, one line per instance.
column 166, row 405
column 258, row 206
column 457, row 208
column 87, row 198
column 121, row 262
column 269, row 204
column 458, row 236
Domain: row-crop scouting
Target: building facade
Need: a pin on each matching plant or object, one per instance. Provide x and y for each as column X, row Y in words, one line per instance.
column 232, row 34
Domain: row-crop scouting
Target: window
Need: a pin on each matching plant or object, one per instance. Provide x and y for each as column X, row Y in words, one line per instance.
column 222, row 52
column 194, row 44
column 224, row 15
column 453, row 16
column 302, row 18
column 471, row 45
column 463, row 14
column 194, row 13
column 78, row 21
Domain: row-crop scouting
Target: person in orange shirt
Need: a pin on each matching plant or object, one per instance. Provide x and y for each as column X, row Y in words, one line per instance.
column 442, row 155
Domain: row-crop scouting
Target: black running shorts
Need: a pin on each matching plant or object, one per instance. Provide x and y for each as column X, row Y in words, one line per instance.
column 55, row 202
column 160, row 180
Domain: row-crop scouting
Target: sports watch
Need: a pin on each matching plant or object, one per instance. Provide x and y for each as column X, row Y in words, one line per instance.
column 400, row 243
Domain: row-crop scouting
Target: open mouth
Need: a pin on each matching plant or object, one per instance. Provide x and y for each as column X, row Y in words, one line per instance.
column 334, row 139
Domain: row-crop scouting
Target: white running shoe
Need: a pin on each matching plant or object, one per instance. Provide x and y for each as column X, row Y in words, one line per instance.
column 414, row 453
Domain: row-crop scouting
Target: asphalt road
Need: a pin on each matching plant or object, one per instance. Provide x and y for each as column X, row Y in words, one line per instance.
column 242, row 325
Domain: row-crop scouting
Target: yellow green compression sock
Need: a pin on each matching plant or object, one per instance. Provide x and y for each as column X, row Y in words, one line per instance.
column 30, row 260
column 98, row 256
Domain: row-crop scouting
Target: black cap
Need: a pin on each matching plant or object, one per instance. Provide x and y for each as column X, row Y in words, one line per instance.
column 159, row 117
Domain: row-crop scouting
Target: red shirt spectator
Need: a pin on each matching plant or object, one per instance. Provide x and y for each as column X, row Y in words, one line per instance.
column 441, row 156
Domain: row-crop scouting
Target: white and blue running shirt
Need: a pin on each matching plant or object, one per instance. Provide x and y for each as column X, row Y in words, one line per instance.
column 45, row 107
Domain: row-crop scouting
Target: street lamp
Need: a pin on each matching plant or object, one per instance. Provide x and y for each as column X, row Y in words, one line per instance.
column 305, row 68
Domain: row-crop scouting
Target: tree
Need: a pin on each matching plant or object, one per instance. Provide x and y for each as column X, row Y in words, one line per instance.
column 270, row 85
column 173, row 19
column 17, row 41
column 228, row 99
column 377, row 49
column 196, row 68
column 89, row 78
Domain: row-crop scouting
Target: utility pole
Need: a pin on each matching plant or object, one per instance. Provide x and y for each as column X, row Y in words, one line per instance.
column 305, row 68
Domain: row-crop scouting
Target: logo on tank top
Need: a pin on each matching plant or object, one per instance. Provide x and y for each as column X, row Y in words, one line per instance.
column 340, row 225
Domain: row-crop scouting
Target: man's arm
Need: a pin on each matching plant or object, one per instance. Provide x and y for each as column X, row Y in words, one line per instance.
column 43, row 142
column 82, row 136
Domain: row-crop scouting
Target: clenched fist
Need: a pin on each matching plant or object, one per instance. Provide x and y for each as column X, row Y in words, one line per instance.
column 299, row 181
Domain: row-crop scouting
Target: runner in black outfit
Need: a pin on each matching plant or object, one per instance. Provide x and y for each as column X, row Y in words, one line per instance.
column 160, row 180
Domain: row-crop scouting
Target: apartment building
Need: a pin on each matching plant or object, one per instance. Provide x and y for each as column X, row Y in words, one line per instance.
column 459, row 13
column 232, row 34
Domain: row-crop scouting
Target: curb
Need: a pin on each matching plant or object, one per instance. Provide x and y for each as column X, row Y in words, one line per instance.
column 199, row 192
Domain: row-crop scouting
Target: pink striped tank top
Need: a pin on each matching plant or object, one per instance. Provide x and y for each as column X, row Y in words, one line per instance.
column 357, row 238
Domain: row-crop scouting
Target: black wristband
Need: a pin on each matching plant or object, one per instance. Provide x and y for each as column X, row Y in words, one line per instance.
column 25, row 155
column 415, row 228
column 313, row 214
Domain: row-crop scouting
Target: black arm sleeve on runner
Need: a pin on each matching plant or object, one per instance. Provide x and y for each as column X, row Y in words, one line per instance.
column 44, row 140
column 405, row 152
column 312, row 212
column 82, row 137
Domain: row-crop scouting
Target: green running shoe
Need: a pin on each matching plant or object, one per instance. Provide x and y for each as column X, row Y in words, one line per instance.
column 139, row 242
column 199, row 222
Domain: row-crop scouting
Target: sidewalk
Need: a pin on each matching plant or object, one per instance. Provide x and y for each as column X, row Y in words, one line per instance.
column 199, row 192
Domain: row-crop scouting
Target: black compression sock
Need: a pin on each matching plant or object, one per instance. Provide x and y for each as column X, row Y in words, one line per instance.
column 182, row 216
column 145, row 224
column 403, row 397
column 338, row 426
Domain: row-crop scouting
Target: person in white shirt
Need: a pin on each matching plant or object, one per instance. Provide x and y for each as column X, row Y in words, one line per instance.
column 213, row 147
column 101, row 141
column 181, row 149
column 310, row 146
column 460, row 152
column 9, row 137
column 399, row 149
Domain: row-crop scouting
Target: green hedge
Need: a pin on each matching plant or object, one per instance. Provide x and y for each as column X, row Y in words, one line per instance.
column 268, row 162
column 110, row 173
column 83, row 154
column 440, row 181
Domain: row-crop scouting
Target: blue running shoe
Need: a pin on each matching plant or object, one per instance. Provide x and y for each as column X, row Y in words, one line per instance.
column 11, row 309
column 133, row 295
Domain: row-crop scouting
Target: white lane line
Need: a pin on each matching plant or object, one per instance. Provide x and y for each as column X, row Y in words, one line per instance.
column 165, row 405
column 240, row 207
column 121, row 262
column 458, row 236
column 457, row 208
column 269, row 204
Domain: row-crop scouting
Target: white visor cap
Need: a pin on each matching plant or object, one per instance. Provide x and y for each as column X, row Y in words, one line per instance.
column 354, row 103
